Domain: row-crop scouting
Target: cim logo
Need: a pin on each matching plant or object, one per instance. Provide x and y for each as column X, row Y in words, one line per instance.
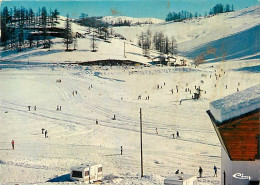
column 241, row 176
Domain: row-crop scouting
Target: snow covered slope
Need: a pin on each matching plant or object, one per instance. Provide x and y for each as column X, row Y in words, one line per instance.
column 132, row 20
column 234, row 35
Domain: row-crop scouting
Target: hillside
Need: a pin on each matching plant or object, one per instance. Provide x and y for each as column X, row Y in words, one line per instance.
column 226, row 36
column 114, row 49
column 222, row 32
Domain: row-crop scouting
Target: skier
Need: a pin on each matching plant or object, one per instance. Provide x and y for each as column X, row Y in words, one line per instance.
column 180, row 102
column 156, row 130
column 76, row 92
column 121, row 150
column 173, row 136
column 43, row 130
column 60, row 108
column 177, row 172
column 29, row 107
column 177, row 90
column 164, row 83
column 200, row 171
column 177, row 135
column 148, row 97
column 57, row 107
column 96, row 122
column 35, row 107
column 114, row 118
column 226, row 86
column 215, row 169
column 12, row 144
column 73, row 93
column 46, row 133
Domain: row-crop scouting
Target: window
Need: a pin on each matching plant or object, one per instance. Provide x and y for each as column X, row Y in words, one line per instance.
column 77, row 174
column 86, row 173
column 100, row 169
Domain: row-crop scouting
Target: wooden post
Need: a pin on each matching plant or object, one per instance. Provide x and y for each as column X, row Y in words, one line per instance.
column 141, row 138
column 124, row 50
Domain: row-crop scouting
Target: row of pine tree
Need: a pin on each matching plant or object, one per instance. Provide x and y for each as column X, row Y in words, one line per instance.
column 184, row 15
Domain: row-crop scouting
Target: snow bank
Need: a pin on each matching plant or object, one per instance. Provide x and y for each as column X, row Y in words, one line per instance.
column 236, row 104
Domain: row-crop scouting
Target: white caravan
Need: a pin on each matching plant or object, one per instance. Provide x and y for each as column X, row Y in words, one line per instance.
column 86, row 172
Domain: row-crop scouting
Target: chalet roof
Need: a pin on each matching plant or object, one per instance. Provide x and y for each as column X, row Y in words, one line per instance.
column 236, row 104
column 238, row 130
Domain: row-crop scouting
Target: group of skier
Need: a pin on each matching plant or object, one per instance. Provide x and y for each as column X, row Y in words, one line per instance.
column 214, row 168
column 173, row 135
column 29, row 107
column 74, row 93
column 45, row 132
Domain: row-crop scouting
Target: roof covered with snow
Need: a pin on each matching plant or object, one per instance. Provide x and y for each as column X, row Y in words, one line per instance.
column 81, row 167
column 236, row 104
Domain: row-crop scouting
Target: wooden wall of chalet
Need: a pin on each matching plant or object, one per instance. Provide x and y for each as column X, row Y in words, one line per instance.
column 241, row 137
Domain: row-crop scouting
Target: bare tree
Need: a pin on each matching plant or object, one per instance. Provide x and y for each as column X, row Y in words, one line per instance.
column 93, row 43
column 173, row 49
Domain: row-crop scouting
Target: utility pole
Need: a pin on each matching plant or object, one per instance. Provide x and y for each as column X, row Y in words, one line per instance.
column 124, row 50
column 141, row 137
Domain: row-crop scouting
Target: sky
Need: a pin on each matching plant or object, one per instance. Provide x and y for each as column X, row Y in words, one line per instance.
column 131, row 8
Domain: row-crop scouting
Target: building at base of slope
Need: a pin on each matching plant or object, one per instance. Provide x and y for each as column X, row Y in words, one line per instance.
column 236, row 120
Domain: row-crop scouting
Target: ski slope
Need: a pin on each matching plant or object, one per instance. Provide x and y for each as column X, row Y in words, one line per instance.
column 234, row 35
column 74, row 137
column 28, row 78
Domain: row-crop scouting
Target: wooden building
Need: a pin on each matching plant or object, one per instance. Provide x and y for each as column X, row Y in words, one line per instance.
column 236, row 120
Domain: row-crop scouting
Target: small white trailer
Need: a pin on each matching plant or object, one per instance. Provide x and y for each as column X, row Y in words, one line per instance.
column 181, row 179
column 86, row 172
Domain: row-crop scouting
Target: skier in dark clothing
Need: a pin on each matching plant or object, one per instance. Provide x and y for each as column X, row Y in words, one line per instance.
column 12, row 144
column 177, row 172
column 29, row 107
column 46, row 133
column 215, row 170
column 121, row 150
column 35, row 107
column 173, row 136
column 43, row 130
column 60, row 108
column 96, row 122
column 177, row 135
column 200, row 171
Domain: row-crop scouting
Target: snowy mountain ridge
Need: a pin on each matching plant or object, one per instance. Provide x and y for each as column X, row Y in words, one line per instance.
column 132, row 20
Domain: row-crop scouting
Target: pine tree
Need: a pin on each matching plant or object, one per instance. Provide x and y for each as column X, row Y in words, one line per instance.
column 68, row 40
column 56, row 14
column 4, row 32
